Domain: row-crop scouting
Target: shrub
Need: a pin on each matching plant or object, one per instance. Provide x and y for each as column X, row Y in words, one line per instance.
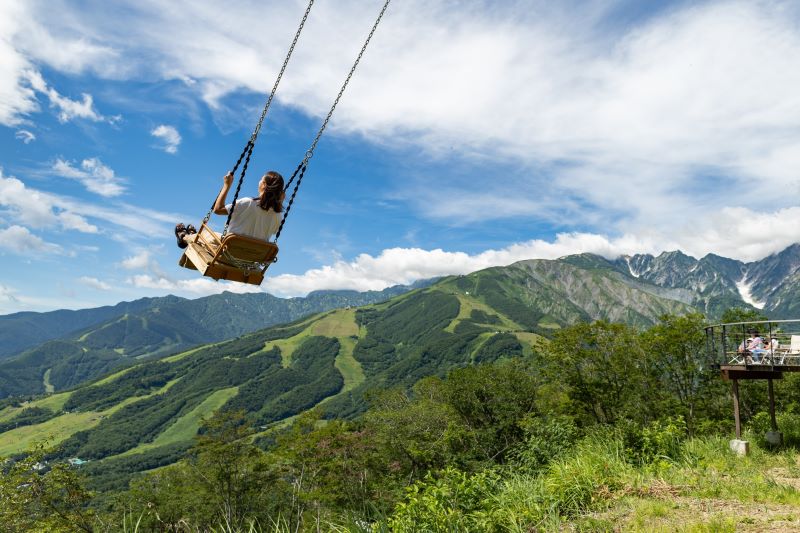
column 452, row 500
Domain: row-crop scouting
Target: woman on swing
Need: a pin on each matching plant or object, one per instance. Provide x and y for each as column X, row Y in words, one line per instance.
column 253, row 217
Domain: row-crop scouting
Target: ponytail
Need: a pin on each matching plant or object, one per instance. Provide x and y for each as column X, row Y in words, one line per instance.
column 271, row 199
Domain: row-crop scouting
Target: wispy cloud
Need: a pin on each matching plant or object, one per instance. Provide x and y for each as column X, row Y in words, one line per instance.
column 93, row 174
column 19, row 240
column 169, row 136
column 734, row 232
column 67, row 108
column 25, row 136
column 38, row 209
column 94, row 283
column 194, row 287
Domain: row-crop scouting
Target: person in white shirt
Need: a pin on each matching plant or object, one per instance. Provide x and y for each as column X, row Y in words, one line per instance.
column 258, row 217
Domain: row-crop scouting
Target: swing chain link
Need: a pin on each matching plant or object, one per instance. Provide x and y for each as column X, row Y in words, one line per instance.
column 301, row 168
column 280, row 74
column 310, row 152
column 249, row 151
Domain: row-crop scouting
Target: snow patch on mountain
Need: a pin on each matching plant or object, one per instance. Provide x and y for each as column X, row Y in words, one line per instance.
column 745, row 289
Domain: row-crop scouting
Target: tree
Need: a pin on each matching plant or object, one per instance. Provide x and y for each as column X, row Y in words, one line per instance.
column 603, row 369
column 676, row 350
column 226, row 480
column 36, row 496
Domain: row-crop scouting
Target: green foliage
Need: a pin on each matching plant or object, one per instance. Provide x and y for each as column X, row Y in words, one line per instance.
column 499, row 346
column 676, row 353
column 482, row 317
column 507, row 303
column 604, row 370
column 225, row 481
column 448, row 501
column 660, row 440
column 411, row 319
column 37, row 496
column 546, row 439
column 742, row 314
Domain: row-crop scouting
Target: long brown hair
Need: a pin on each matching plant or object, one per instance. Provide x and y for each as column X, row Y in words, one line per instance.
column 271, row 199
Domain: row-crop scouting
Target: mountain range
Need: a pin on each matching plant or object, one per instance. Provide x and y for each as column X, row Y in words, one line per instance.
column 145, row 414
column 44, row 352
column 60, row 349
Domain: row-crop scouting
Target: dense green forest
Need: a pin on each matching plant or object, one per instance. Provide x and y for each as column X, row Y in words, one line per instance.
column 463, row 427
column 63, row 349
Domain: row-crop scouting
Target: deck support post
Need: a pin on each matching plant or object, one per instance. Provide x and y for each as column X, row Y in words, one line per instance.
column 738, row 446
column 735, row 387
column 773, row 437
column 774, row 422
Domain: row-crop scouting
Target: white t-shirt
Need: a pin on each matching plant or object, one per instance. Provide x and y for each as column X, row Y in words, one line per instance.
column 252, row 221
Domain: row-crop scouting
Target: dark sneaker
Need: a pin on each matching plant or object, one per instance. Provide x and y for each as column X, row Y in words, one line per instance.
column 180, row 233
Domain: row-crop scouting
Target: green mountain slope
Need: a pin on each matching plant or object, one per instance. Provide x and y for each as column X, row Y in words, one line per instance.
column 157, row 327
column 20, row 331
column 145, row 415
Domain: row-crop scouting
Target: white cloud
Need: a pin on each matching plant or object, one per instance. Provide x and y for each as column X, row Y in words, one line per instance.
column 38, row 209
column 25, row 136
column 195, row 287
column 17, row 99
column 169, row 136
column 737, row 233
column 94, row 283
column 67, row 108
column 142, row 260
column 93, row 174
column 21, row 241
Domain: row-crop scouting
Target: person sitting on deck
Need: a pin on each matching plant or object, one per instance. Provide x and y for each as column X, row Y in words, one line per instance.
column 258, row 217
column 755, row 346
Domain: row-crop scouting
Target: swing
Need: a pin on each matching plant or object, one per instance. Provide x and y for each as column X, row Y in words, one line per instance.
column 245, row 259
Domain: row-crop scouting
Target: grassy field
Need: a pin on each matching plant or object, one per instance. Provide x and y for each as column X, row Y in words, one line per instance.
column 467, row 304
column 185, row 428
column 340, row 323
column 54, row 430
column 348, row 366
column 48, row 387
column 54, row 402
column 61, row 427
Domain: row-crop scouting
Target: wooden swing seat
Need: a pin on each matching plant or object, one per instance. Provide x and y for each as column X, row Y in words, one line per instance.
column 234, row 258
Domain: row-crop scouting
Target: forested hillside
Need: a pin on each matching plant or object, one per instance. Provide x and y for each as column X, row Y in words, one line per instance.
column 330, row 361
column 511, row 366
column 151, row 327
column 602, row 426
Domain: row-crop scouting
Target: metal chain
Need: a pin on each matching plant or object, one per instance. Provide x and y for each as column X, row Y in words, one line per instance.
column 301, row 168
column 238, row 188
column 280, row 74
column 248, row 148
column 310, row 151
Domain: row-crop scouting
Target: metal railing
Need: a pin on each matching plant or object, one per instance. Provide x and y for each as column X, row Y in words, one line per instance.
column 772, row 343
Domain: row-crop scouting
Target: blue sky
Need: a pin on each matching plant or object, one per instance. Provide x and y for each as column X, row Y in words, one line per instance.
column 474, row 134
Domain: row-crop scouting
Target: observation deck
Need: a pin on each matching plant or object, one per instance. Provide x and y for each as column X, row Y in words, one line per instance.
column 755, row 350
